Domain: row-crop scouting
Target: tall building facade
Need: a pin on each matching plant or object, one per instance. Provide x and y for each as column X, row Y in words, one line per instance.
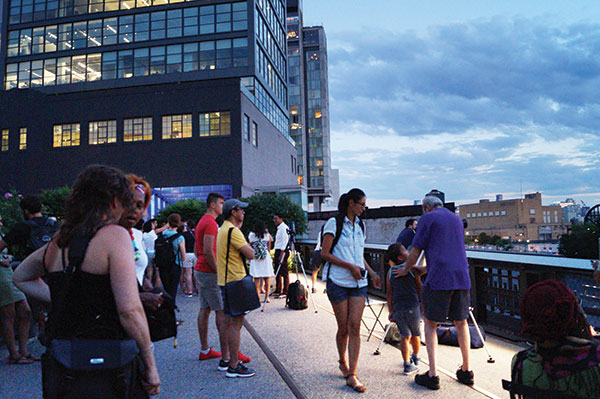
column 309, row 105
column 521, row 220
column 190, row 94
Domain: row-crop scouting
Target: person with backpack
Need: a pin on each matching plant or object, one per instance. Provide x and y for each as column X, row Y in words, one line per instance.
column 169, row 250
column 346, row 274
column 34, row 232
column 91, row 283
column 261, row 267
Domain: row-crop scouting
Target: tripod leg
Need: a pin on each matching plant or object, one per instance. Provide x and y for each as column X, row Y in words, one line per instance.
column 490, row 358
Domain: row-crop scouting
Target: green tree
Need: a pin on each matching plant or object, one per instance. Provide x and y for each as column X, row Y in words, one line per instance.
column 263, row 206
column 581, row 242
column 190, row 209
column 53, row 201
column 10, row 210
column 483, row 239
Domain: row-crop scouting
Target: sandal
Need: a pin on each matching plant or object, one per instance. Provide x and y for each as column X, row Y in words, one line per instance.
column 19, row 360
column 359, row 387
column 343, row 362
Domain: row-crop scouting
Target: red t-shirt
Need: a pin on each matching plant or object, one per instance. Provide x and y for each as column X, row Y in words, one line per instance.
column 206, row 225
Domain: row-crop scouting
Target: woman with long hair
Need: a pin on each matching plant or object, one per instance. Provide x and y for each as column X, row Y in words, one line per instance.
column 103, row 299
column 261, row 267
column 346, row 275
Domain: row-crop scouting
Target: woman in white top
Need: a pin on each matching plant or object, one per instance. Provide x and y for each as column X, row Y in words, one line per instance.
column 261, row 267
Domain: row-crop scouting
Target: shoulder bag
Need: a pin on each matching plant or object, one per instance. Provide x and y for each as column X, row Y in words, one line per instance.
column 240, row 295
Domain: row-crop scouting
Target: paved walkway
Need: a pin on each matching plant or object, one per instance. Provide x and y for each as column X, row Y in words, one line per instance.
column 301, row 344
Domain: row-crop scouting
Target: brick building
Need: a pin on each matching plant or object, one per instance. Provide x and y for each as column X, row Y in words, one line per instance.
column 520, row 219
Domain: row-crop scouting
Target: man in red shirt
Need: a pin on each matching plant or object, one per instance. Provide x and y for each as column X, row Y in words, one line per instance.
column 205, row 272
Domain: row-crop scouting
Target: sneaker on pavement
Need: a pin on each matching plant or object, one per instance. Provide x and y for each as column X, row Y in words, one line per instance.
column 414, row 359
column 243, row 358
column 211, row 354
column 241, row 371
column 410, row 368
column 223, row 365
column 427, row 381
column 465, row 377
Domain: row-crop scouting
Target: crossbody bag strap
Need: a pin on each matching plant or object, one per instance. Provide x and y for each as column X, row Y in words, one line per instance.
column 227, row 256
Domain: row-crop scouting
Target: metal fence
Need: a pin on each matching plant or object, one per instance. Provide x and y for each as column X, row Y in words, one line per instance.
column 499, row 279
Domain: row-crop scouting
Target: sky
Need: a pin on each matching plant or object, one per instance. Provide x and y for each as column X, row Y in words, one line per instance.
column 473, row 98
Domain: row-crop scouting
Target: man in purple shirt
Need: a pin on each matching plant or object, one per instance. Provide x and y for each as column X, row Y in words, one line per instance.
column 445, row 292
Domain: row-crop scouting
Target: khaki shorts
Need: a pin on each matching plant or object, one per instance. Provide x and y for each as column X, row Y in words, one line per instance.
column 208, row 290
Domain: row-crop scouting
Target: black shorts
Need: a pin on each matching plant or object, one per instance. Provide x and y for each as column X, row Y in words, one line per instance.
column 440, row 305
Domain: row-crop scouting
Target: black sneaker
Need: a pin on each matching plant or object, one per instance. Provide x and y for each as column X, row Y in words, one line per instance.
column 465, row 377
column 223, row 365
column 427, row 381
column 240, row 371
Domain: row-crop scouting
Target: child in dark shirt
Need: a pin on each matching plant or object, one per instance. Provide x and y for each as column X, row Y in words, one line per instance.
column 403, row 298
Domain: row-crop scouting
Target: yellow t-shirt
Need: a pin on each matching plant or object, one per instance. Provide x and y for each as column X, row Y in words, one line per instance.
column 236, row 269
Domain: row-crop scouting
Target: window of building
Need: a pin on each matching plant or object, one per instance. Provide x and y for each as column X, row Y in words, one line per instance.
column 137, row 129
column 102, row 132
column 4, row 143
column 246, row 127
column 66, row 135
column 497, row 213
column 23, row 138
column 532, row 211
column 215, row 124
column 478, row 214
column 503, row 213
column 254, row 134
column 176, row 126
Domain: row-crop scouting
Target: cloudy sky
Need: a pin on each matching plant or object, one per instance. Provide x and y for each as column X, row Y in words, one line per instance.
column 471, row 98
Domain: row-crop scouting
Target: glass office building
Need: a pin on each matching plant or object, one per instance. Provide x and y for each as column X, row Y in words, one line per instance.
column 190, row 94
column 309, row 105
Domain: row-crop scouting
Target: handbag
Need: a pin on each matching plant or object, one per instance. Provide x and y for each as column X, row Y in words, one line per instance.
column 240, row 295
column 162, row 322
column 89, row 368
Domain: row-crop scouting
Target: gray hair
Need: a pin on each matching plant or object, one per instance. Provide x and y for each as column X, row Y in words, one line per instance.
column 432, row 202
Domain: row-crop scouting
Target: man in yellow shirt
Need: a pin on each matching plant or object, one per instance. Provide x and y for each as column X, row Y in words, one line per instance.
column 231, row 267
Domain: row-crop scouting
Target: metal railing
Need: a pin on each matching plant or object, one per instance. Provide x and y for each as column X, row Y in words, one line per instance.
column 498, row 281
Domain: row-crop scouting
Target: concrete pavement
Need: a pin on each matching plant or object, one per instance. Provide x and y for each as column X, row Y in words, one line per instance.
column 302, row 345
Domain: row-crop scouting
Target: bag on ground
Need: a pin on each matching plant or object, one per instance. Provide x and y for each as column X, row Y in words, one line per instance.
column 447, row 335
column 393, row 335
column 297, row 296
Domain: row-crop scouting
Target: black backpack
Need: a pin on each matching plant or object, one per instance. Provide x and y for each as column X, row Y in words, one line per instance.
column 297, row 296
column 40, row 234
column 164, row 254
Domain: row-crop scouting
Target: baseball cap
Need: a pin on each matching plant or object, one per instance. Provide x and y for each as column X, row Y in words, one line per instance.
column 233, row 203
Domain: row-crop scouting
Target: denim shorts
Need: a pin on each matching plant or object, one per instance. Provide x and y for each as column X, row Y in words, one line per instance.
column 408, row 322
column 337, row 294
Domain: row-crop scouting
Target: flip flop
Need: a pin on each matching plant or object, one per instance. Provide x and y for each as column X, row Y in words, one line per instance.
column 19, row 360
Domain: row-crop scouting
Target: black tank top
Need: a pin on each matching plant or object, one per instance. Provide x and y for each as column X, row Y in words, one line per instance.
column 90, row 310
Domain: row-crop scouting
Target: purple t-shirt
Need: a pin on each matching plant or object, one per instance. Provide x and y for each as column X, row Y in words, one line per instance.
column 441, row 235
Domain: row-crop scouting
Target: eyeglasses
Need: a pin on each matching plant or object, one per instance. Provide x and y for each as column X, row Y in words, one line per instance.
column 363, row 204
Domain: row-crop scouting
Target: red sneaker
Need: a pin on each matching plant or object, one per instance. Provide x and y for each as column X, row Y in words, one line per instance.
column 210, row 355
column 243, row 358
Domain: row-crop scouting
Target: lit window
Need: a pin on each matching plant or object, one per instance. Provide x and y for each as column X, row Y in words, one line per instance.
column 103, row 132
column 300, row 180
column 66, row 135
column 4, row 140
column 176, row 126
column 532, row 211
column 254, row 134
column 23, row 138
column 137, row 129
column 215, row 124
